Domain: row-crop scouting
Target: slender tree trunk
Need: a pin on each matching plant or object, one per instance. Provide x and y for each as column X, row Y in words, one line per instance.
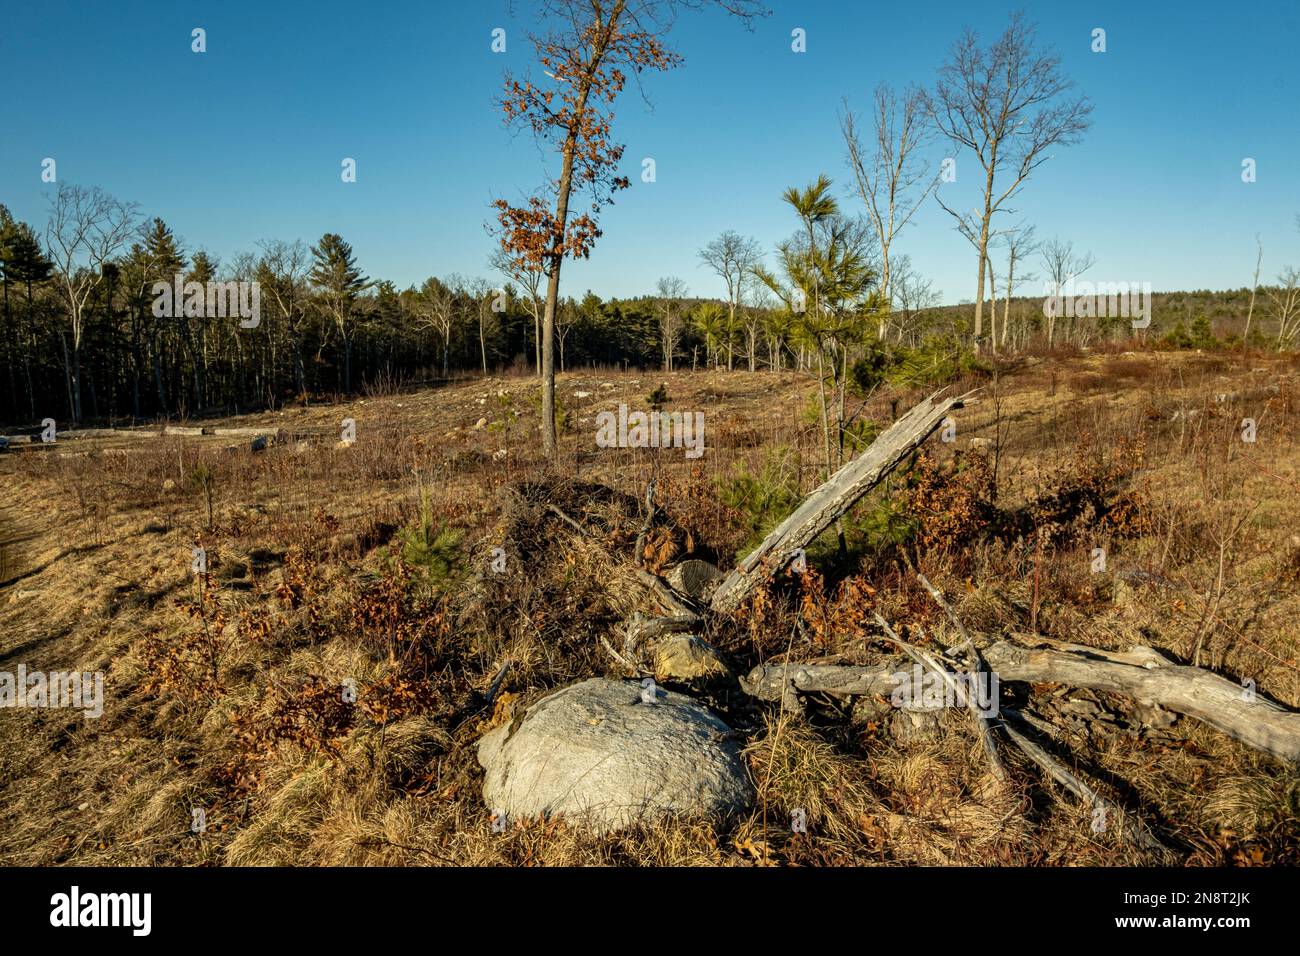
column 826, row 425
column 549, row 445
column 27, row 354
column 76, row 378
column 136, row 362
column 1245, row 335
column 159, row 384
column 347, row 364
column 67, row 375
column 537, row 335
column 1051, row 319
column 883, row 325
column 1006, row 300
column 299, row 375
column 983, row 254
column 482, row 346
column 993, row 309
column 11, row 336
column 194, row 361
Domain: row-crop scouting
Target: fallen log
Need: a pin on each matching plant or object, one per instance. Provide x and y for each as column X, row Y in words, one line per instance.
column 820, row 509
column 1191, row 691
column 241, row 432
column 769, row 682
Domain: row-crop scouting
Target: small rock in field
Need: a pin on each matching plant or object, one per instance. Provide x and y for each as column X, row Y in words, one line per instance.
column 686, row 657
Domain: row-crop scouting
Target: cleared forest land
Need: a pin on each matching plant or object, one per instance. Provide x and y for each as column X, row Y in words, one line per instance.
column 366, row 563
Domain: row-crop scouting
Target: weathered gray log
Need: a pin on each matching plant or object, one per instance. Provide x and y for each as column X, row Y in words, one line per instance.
column 820, row 509
column 1228, row 707
column 771, row 681
column 239, row 432
column 1192, row 691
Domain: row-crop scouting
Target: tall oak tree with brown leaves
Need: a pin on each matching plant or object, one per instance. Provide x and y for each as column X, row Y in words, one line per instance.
column 587, row 49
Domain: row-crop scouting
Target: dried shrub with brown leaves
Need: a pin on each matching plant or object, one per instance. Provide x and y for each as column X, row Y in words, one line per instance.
column 951, row 503
column 188, row 665
column 313, row 715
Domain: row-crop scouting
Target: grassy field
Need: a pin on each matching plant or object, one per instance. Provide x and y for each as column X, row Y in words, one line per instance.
column 365, row 562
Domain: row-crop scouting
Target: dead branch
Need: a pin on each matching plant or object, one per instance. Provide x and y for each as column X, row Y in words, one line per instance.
column 982, row 723
column 666, row 596
column 821, row 508
column 1192, row 691
column 975, row 664
column 1091, row 800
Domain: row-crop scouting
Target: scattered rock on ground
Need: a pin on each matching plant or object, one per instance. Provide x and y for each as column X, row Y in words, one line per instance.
column 595, row 753
column 686, row 657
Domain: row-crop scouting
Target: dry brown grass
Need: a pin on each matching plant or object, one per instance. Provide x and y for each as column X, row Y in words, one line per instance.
column 304, row 592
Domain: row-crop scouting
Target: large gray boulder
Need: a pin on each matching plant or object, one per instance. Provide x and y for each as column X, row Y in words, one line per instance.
column 598, row 754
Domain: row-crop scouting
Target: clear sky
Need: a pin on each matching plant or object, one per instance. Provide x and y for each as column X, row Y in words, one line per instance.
column 245, row 141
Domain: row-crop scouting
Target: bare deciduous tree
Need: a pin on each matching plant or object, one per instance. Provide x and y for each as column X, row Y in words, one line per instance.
column 1062, row 264
column 1286, row 305
column 482, row 295
column 753, row 322
column 669, row 291
column 1254, row 285
column 282, row 275
column 891, row 179
column 1019, row 243
column 87, row 227
column 565, row 319
column 529, row 278
column 733, row 258
column 436, row 309
column 915, row 296
column 1007, row 105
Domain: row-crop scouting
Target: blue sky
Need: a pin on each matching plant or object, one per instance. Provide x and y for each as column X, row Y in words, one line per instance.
column 245, row 141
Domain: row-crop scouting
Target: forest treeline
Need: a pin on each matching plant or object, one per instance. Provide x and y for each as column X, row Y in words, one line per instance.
column 81, row 341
